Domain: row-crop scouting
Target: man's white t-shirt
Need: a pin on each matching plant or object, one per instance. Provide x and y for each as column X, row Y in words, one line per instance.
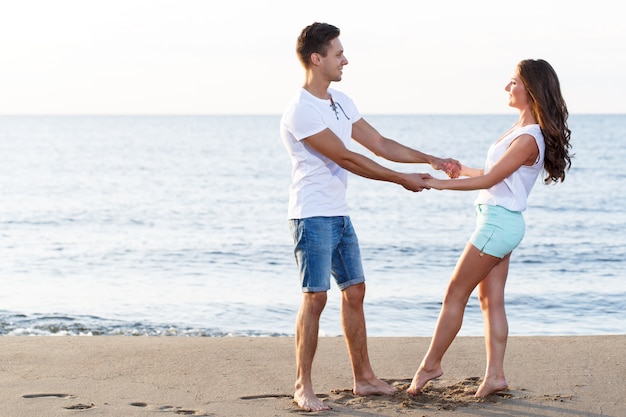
column 513, row 192
column 318, row 185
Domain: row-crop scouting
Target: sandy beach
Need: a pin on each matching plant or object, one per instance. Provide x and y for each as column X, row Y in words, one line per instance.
column 160, row 376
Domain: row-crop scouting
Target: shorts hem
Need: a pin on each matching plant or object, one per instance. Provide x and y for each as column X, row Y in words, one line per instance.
column 345, row 285
column 490, row 253
column 315, row 289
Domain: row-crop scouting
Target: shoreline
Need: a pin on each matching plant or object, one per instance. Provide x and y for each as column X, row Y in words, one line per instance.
column 253, row 376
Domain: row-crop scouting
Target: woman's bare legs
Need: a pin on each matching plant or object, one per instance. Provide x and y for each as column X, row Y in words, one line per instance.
column 491, row 296
column 472, row 267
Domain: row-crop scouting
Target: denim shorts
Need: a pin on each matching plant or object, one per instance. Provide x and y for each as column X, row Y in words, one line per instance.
column 326, row 246
column 498, row 230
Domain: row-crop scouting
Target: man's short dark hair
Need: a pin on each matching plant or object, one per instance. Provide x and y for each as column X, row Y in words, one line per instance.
column 315, row 38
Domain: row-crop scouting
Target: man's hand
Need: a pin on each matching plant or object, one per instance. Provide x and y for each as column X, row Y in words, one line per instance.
column 416, row 182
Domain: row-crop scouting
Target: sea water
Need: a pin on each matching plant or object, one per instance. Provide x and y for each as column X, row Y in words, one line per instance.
column 176, row 225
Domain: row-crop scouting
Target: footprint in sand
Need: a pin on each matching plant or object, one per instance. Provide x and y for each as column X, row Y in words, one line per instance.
column 260, row 396
column 47, row 395
column 175, row 410
column 80, row 407
column 62, row 396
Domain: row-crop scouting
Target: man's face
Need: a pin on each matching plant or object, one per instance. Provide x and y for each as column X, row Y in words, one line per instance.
column 332, row 64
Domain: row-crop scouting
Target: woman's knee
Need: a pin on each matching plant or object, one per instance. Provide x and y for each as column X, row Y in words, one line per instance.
column 490, row 303
column 456, row 294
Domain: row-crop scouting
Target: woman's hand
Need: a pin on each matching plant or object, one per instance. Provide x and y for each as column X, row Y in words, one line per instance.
column 450, row 166
column 435, row 183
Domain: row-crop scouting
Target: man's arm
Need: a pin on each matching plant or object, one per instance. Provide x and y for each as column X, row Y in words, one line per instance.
column 329, row 145
column 368, row 136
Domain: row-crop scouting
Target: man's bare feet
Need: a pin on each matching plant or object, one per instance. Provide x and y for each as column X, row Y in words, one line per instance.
column 373, row 387
column 491, row 385
column 308, row 401
column 421, row 378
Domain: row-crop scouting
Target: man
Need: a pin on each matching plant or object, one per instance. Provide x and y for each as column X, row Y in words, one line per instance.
column 316, row 128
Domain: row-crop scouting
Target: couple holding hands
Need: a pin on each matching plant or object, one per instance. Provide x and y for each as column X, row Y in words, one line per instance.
column 317, row 127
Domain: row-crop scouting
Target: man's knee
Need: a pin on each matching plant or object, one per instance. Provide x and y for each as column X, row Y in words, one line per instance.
column 354, row 293
column 314, row 301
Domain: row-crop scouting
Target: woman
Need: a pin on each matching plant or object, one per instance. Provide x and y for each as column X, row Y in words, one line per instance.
column 540, row 139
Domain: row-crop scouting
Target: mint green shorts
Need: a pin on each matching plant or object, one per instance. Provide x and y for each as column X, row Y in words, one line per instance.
column 498, row 230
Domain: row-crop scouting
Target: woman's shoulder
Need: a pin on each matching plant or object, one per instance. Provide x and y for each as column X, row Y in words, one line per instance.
column 533, row 130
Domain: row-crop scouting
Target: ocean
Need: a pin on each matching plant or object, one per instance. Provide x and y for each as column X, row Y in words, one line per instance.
column 176, row 226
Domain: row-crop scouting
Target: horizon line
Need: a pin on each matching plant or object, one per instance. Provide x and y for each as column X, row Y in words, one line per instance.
column 270, row 114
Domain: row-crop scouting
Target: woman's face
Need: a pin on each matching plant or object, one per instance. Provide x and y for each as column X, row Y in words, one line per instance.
column 518, row 95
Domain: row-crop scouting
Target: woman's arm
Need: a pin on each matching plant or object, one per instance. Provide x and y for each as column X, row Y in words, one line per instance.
column 523, row 151
column 471, row 172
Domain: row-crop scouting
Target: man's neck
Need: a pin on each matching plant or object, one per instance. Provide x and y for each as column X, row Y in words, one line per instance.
column 318, row 88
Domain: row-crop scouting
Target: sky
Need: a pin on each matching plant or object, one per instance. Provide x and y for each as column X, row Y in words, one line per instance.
column 238, row 56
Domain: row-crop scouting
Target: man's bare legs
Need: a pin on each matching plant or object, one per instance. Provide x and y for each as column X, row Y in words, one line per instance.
column 491, row 296
column 353, row 322
column 307, row 329
column 471, row 268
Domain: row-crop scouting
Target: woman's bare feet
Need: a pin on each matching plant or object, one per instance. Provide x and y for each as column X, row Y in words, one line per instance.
column 491, row 385
column 421, row 378
column 373, row 387
column 308, row 401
